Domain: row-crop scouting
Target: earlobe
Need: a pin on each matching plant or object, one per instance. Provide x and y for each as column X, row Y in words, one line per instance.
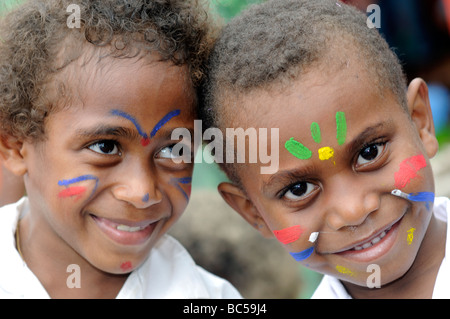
column 11, row 153
column 239, row 201
column 420, row 112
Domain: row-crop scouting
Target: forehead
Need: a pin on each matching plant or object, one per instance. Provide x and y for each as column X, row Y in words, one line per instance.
column 128, row 82
column 142, row 92
column 315, row 96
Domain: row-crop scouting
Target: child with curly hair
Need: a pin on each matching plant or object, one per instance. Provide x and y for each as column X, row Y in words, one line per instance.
column 353, row 197
column 87, row 107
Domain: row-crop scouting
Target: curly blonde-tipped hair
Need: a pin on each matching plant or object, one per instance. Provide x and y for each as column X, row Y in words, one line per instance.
column 33, row 36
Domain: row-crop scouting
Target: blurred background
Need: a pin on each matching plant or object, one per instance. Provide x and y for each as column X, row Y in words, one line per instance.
column 222, row 242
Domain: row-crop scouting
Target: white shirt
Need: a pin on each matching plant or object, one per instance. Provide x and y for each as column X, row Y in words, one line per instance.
column 168, row 272
column 332, row 288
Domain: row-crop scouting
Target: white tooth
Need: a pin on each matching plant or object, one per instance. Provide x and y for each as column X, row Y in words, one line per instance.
column 383, row 234
column 357, row 248
column 128, row 228
column 375, row 240
column 366, row 245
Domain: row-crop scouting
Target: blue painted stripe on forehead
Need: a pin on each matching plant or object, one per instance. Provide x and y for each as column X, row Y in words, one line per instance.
column 163, row 121
column 132, row 119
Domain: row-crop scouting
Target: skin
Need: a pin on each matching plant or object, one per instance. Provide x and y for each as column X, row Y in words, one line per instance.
column 73, row 227
column 347, row 197
column 11, row 186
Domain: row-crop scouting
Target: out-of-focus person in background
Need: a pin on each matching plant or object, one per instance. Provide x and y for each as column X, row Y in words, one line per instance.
column 419, row 32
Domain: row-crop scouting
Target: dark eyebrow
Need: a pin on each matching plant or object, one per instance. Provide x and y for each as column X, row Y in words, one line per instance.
column 108, row 130
column 371, row 132
column 165, row 133
column 284, row 178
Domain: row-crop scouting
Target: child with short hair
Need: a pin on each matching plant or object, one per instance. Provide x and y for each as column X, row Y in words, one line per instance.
column 353, row 197
column 91, row 91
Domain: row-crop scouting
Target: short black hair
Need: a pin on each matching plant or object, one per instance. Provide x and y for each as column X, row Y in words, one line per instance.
column 274, row 42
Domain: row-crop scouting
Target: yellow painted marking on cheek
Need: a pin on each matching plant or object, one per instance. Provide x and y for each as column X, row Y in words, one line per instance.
column 325, row 153
column 345, row 271
column 410, row 235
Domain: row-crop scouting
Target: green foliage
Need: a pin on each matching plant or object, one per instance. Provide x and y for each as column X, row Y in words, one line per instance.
column 6, row 5
column 228, row 9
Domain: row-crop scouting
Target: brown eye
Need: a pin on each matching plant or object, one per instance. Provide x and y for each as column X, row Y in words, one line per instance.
column 299, row 191
column 370, row 153
column 106, row 147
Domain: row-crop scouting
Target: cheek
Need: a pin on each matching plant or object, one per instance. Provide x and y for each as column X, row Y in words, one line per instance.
column 299, row 240
column 409, row 169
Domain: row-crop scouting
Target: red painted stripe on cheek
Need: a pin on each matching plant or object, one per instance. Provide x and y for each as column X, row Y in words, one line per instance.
column 408, row 170
column 288, row 235
column 72, row 191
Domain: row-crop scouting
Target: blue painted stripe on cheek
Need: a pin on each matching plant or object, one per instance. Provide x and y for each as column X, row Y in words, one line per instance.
column 303, row 254
column 421, row 197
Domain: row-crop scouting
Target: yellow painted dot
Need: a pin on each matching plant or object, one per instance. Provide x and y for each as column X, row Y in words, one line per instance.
column 345, row 271
column 326, row 153
column 410, row 235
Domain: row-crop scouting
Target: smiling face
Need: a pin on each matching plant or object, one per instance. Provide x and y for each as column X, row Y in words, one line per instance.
column 103, row 185
column 343, row 148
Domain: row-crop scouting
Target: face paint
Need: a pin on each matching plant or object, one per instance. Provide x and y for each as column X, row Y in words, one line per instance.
column 303, row 254
column 76, row 190
column 345, row 271
column 313, row 237
column 145, row 198
column 183, row 180
column 126, row 266
column 410, row 236
column 145, row 140
column 325, row 153
column 421, row 197
column 298, row 149
column 163, row 121
column 427, row 197
column 288, row 235
column 408, row 170
column 341, row 127
column 315, row 132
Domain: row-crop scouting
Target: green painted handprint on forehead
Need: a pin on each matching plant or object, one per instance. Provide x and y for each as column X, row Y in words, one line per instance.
column 302, row 152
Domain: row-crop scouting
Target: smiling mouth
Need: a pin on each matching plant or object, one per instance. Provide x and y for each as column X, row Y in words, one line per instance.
column 375, row 246
column 125, row 232
column 372, row 241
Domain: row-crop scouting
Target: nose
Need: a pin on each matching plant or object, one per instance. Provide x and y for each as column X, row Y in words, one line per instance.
column 138, row 189
column 351, row 207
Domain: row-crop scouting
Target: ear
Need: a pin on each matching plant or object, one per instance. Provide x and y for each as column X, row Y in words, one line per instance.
column 420, row 112
column 239, row 201
column 11, row 153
